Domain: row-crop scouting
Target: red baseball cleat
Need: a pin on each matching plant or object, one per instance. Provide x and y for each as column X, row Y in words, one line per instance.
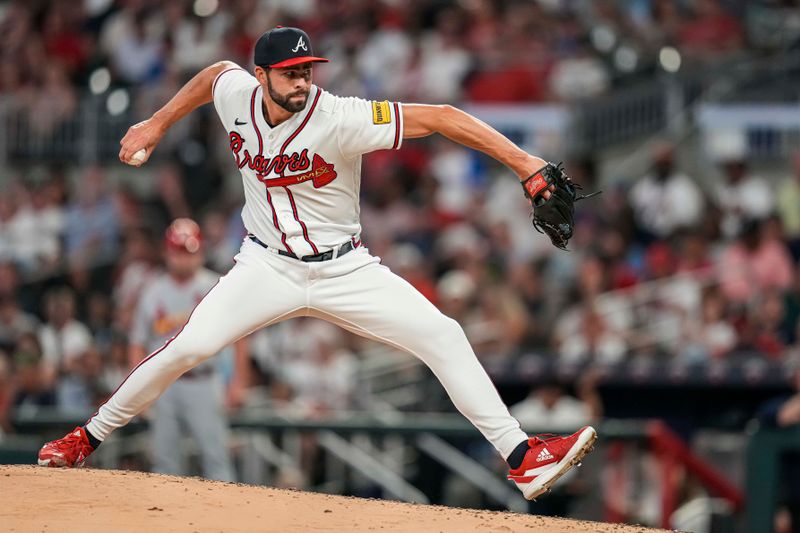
column 549, row 459
column 70, row 451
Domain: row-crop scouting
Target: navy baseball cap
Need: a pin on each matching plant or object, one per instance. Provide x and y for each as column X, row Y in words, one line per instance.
column 284, row 47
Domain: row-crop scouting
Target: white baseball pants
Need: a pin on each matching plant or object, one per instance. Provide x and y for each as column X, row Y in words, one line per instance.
column 355, row 292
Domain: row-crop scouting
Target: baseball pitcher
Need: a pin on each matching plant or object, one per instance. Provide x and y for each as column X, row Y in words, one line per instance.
column 299, row 151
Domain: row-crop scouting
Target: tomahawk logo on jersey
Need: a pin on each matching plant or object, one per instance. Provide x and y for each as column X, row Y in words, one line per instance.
column 302, row 177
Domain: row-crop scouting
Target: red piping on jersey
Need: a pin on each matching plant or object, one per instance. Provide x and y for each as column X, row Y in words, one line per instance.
column 303, row 124
column 275, row 221
column 143, row 361
column 288, row 192
column 214, row 85
column 260, row 152
column 253, row 118
column 297, row 218
column 396, row 126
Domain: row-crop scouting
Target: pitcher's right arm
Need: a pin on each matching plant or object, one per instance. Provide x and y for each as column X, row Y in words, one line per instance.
column 146, row 134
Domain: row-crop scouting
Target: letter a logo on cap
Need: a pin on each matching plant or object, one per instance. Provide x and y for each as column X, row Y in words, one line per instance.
column 300, row 44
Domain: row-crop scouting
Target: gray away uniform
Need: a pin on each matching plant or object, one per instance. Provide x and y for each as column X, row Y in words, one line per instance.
column 194, row 403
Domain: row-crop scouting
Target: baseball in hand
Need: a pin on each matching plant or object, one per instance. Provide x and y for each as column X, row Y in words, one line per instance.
column 138, row 158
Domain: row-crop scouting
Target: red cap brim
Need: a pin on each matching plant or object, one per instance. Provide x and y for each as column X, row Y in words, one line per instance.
column 298, row 60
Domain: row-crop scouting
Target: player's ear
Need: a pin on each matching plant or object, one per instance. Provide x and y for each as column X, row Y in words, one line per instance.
column 261, row 74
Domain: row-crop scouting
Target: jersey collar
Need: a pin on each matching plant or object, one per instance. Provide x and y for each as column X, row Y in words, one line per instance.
column 262, row 123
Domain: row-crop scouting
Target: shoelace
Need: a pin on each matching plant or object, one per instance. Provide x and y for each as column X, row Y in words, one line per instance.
column 75, row 437
column 543, row 438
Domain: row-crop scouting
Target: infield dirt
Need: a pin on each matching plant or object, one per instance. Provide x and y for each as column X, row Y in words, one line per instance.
column 88, row 500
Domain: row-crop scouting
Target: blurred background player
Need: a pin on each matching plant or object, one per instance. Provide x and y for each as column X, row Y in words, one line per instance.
column 194, row 405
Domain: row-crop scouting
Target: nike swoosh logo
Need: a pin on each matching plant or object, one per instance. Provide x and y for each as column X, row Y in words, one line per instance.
column 236, row 121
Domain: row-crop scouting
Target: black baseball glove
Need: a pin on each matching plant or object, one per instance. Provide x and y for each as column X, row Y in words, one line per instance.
column 554, row 216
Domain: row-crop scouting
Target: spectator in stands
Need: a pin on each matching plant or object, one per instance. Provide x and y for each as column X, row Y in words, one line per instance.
column 131, row 211
column 171, row 202
column 32, row 388
column 527, row 282
column 694, row 256
column 14, row 322
column 197, row 41
column 20, row 238
column 324, row 378
column 463, row 247
column 579, row 75
column 52, row 102
column 666, row 199
column 99, row 319
column 742, row 196
column 219, row 248
column 92, row 227
column 456, row 291
column 711, row 30
column 712, row 336
column 663, row 23
column 498, row 324
column 16, row 30
column 444, row 61
column 50, row 219
column 90, row 377
column 593, row 341
column 384, row 57
column 608, row 313
column 756, row 262
column 765, row 332
column 65, row 342
column 116, row 366
column 454, row 169
column 548, row 406
column 30, row 227
column 408, row 262
column 134, row 43
column 613, row 248
column 502, row 73
column 507, row 82
column 672, row 299
column 789, row 206
column 63, row 39
column 136, row 267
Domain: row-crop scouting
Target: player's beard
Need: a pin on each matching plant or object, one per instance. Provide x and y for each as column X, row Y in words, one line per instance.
column 285, row 100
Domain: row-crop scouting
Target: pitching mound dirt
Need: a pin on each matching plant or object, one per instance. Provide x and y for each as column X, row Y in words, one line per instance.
column 48, row 500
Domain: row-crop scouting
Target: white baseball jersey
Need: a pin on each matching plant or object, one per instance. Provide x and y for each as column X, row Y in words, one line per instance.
column 302, row 178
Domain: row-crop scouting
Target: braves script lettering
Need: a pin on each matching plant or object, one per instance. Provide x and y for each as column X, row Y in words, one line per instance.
column 321, row 172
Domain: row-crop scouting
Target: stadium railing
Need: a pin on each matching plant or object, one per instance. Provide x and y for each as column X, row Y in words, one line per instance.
column 339, row 435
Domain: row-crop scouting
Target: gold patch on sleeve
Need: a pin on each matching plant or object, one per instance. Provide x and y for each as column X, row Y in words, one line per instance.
column 381, row 113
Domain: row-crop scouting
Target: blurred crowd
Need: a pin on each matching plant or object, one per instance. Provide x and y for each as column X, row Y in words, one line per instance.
column 671, row 266
column 51, row 52
column 665, row 267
